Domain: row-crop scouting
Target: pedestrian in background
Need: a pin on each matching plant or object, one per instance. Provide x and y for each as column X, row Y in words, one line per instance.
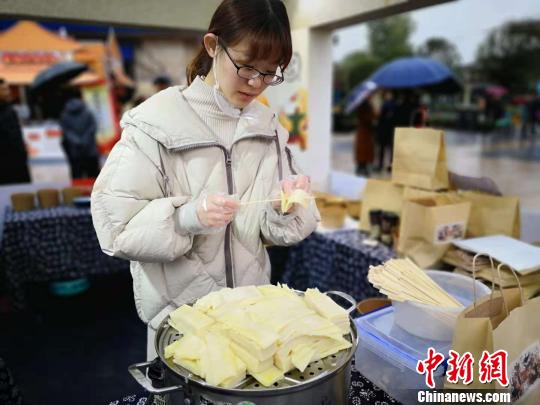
column 79, row 129
column 363, row 141
column 385, row 127
column 13, row 155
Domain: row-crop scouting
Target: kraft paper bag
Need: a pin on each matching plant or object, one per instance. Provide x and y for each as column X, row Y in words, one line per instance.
column 429, row 225
column 475, row 329
column 493, row 215
column 411, row 193
column 379, row 195
column 519, row 335
column 420, row 158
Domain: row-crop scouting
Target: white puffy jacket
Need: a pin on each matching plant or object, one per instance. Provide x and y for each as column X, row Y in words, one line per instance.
column 166, row 157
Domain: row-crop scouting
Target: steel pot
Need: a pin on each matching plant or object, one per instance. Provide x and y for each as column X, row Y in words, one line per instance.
column 324, row 382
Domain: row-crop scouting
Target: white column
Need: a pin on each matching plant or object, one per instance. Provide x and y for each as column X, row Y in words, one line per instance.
column 308, row 90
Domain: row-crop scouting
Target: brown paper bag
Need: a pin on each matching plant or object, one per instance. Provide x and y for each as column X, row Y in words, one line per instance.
column 420, row 158
column 411, row 193
column 380, row 195
column 519, row 335
column 475, row 328
column 429, row 225
column 333, row 213
column 493, row 215
column 463, row 261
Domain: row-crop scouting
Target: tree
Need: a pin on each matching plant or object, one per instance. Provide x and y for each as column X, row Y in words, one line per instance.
column 442, row 50
column 355, row 68
column 389, row 37
column 510, row 55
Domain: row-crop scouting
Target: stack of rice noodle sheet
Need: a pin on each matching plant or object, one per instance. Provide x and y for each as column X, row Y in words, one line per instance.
column 263, row 331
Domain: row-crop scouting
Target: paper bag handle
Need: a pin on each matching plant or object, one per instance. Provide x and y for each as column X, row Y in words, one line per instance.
column 492, row 281
column 521, row 294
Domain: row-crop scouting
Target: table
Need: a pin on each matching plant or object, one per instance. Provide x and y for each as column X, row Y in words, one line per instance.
column 361, row 391
column 51, row 244
column 337, row 260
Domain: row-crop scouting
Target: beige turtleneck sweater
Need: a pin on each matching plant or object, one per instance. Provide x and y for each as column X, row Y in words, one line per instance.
column 200, row 96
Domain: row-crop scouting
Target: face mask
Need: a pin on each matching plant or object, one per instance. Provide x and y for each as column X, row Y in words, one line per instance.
column 223, row 104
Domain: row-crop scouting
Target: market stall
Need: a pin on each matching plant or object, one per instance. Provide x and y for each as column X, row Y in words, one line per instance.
column 27, row 49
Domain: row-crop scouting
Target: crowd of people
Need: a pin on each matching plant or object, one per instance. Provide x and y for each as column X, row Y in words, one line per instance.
column 375, row 126
column 375, row 130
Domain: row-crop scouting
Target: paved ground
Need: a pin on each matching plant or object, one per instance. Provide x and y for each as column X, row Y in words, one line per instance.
column 513, row 163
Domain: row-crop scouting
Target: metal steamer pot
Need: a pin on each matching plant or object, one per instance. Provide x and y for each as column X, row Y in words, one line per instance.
column 324, row 382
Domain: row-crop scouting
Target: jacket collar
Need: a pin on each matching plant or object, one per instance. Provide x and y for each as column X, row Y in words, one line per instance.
column 169, row 119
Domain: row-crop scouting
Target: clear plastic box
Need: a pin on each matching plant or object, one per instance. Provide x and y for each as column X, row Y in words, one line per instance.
column 387, row 355
column 438, row 323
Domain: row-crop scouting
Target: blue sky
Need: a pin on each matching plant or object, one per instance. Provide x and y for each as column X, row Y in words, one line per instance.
column 464, row 22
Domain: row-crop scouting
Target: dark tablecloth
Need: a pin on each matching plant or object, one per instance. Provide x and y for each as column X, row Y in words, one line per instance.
column 51, row 244
column 336, row 260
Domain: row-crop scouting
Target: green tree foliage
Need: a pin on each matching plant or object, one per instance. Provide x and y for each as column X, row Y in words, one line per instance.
column 389, row 37
column 356, row 67
column 510, row 55
column 442, row 50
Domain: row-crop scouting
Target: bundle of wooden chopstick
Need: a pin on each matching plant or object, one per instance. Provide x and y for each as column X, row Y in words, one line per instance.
column 402, row 280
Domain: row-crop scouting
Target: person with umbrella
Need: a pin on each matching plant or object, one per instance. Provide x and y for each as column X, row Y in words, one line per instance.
column 79, row 126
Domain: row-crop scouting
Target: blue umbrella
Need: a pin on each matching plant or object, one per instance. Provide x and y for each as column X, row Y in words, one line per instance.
column 407, row 73
column 359, row 94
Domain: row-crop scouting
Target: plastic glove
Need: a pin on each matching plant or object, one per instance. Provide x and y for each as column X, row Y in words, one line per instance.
column 216, row 210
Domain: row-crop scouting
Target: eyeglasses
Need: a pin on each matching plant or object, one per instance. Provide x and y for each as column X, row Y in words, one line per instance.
column 248, row 72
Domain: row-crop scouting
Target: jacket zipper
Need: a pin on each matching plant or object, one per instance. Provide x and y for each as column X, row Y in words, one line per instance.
column 229, row 271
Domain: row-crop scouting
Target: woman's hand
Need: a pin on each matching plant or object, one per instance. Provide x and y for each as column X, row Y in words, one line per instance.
column 291, row 183
column 216, row 211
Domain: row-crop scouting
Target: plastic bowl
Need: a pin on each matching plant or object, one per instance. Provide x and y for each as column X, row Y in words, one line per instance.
column 438, row 323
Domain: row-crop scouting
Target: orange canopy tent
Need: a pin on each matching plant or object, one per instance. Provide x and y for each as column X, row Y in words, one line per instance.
column 28, row 36
column 27, row 48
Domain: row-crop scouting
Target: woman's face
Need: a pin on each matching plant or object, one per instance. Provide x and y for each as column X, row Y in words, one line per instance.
column 238, row 91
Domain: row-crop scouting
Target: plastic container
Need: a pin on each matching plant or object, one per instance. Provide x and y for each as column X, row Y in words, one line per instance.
column 23, row 201
column 438, row 323
column 387, row 355
column 48, row 198
column 69, row 288
column 69, row 194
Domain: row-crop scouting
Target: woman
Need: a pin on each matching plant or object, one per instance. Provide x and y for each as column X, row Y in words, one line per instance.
column 363, row 142
column 171, row 195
